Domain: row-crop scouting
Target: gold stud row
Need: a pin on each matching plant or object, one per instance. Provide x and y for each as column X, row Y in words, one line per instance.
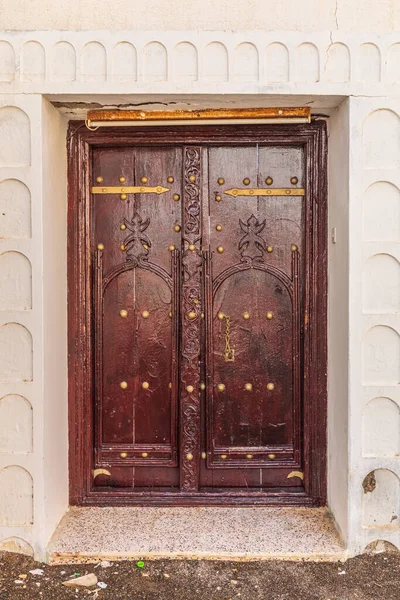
column 268, row 180
column 124, row 385
column 192, row 247
column 246, row 316
column 125, row 455
column 249, row 456
column 247, row 386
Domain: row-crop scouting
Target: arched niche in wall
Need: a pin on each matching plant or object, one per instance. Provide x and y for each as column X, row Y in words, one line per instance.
column 381, row 140
column 215, row 63
column 276, row 63
column 16, row 497
column 381, row 428
column 381, row 499
column 245, row 62
column 7, row 62
column 155, row 62
column 124, row 62
column 93, row 62
column 185, row 62
column 15, row 137
column 381, row 356
column 33, row 62
column 63, row 62
column 369, row 63
column 306, row 63
column 16, row 277
column 15, row 210
column 337, row 67
column 381, row 284
column 16, row 425
column 381, row 213
column 16, row 361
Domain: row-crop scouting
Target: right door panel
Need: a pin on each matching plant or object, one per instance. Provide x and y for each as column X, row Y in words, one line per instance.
column 254, row 301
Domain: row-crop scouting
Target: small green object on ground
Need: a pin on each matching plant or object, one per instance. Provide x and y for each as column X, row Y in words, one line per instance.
column 140, row 564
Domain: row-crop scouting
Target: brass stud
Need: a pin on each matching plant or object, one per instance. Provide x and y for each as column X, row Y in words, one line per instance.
column 248, row 387
column 196, row 301
column 144, row 454
column 122, row 179
column 294, row 180
column 145, row 246
column 192, row 178
column 123, row 313
column 202, row 386
column 189, row 456
column 269, row 181
column 170, row 314
column 170, row 385
column 221, row 316
column 293, row 247
column 100, row 246
column 171, row 248
column 190, row 389
column 269, row 315
column 270, row 387
column 123, row 385
column 246, row 316
column 99, row 179
column 122, row 227
column 145, row 314
column 270, row 249
column 122, row 247
column 218, row 198
column 249, row 456
column 221, row 387
column 224, row 456
column 104, row 190
column 204, row 455
column 123, row 196
column 192, row 247
column 246, row 181
column 145, row 385
column 177, row 228
column 202, row 315
column 144, row 180
column 123, row 454
column 170, row 179
column 271, row 456
column 218, row 227
column 221, row 181
column 192, row 314
column 176, row 197
column 220, row 249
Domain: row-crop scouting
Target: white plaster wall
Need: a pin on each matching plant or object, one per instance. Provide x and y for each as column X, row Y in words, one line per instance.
column 21, row 325
column 55, row 388
column 298, row 15
column 374, row 342
column 338, row 314
column 216, row 68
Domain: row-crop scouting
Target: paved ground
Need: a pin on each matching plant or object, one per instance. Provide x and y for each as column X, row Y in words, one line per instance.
column 373, row 577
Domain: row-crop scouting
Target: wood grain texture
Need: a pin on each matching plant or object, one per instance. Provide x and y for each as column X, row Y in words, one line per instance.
column 245, row 277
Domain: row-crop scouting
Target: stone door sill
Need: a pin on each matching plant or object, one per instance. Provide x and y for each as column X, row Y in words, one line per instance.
column 116, row 533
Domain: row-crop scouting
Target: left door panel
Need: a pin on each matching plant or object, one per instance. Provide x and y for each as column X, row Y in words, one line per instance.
column 136, row 316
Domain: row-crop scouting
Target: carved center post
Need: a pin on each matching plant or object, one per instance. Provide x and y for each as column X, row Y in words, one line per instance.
column 191, row 320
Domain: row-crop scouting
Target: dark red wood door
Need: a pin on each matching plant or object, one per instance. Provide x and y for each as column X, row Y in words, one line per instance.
column 206, row 278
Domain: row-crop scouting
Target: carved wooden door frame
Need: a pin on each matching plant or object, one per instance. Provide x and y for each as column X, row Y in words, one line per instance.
column 80, row 340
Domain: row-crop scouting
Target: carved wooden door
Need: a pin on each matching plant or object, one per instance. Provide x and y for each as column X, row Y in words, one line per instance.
column 206, row 306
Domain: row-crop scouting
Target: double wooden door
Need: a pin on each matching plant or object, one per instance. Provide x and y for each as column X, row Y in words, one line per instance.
column 198, row 316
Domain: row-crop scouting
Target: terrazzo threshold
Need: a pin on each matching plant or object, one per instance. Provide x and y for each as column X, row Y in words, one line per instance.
column 93, row 534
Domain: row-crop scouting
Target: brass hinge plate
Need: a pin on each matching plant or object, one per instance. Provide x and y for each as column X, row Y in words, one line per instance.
column 159, row 189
